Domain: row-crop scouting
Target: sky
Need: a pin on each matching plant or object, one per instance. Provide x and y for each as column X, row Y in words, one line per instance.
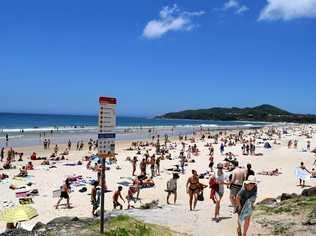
column 156, row 56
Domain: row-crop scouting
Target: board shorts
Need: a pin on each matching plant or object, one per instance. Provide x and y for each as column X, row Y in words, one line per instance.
column 64, row 194
column 234, row 189
column 130, row 199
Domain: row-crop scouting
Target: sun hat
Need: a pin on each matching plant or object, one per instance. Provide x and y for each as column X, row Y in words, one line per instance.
column 251, row 180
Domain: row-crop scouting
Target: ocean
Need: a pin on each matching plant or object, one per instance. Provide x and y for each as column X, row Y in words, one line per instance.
column 31, row 129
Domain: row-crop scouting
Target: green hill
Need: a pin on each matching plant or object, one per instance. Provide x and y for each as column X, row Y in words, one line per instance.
column 263, row 112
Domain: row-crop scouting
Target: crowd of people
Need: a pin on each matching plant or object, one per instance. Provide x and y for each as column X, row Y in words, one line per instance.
column 224, row 173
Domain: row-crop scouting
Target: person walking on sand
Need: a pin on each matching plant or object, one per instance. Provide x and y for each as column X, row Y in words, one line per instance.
column 193, row 188
column 69, row 145
column 172, row 188
column 64, row 193
column 2, row 154
column 158, row 166
column 134, row 162
column 152, row 165
column 222, row 148
column 182, row 162
column 118, row 194
column 302, row 181
column 245, row 200
column 95, row 199
column 56, row 149
column 211, row 163
column 142, row 167
column 218, row 195
column 236, row 183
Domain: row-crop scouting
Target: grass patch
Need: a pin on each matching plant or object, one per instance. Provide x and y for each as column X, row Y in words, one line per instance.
column 280, row 230
column 127, row 226
column 292, row 206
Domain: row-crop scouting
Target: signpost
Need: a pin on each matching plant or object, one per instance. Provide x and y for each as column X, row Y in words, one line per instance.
column 106, row 141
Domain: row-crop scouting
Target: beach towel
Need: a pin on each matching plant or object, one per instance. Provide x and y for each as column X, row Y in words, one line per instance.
column 214, row 186
column 124, row 183
column 302, row 174
column 70, row 164
column 22, row 194
column 18, row 182
column 246, row 210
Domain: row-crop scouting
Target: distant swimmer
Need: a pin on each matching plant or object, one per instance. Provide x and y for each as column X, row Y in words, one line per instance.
column 6, row 139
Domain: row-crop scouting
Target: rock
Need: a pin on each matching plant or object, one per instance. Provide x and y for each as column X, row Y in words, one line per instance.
column 39, row 227
column 313, row 221
column 59, row 220
column 268, row 202
column 309, row 222
column 309, row 192
column 311, row 218
column 286, row 196
column 17, row 232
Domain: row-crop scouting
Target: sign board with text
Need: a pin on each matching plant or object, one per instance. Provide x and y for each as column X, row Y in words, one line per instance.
column 107, row 123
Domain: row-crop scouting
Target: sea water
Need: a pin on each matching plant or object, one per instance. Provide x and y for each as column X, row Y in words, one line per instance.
column 32, row 129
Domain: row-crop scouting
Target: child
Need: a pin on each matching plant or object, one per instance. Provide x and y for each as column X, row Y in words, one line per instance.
column 116, row 196
column 94, row 200
column 130, row 196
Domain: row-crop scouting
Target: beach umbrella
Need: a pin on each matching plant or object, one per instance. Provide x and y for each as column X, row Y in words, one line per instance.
column 18, row 214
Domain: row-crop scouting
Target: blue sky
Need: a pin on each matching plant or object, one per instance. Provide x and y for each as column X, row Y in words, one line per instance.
column 156, row 56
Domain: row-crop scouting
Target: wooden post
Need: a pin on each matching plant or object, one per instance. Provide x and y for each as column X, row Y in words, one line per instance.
column 102, row 196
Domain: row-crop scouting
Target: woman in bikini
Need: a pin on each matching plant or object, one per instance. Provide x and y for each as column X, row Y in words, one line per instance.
column 193, row 188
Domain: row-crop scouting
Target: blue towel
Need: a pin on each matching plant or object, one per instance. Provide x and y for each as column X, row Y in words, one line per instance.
column 246, row 210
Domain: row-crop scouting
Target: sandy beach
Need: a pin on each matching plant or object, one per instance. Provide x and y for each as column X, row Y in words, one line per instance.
column 178, row 216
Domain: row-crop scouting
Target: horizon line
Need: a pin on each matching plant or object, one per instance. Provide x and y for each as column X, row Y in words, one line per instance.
column 59, row 114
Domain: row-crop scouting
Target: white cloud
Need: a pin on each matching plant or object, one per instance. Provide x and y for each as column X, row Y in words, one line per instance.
column 288, row 10
column 230, row 4
column 242, row 9
column 234, row 5
column 170, row 19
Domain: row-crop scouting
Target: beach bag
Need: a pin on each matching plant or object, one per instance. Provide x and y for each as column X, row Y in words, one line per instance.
column 200, row 196
column 56, row 193
column 25, row 201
